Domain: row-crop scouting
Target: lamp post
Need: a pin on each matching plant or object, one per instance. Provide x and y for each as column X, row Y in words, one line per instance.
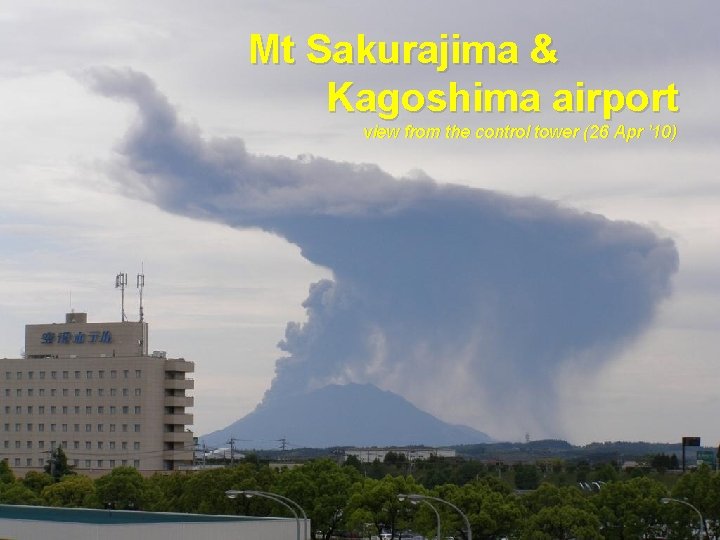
column 285, row 501
column 416, row 497
column 703, row 528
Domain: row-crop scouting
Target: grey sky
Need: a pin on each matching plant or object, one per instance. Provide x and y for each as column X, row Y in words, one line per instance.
column 64, row 226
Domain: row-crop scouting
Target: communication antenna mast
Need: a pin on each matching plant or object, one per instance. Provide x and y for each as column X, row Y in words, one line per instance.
column 140, row 285
column 120, row 283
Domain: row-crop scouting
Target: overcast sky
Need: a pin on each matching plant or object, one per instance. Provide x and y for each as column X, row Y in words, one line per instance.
column 222, row 296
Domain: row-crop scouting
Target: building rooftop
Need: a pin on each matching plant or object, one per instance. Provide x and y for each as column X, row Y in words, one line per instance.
column 112, row 517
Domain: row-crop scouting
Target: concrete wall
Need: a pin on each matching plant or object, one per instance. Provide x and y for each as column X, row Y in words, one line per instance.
column 17, row 529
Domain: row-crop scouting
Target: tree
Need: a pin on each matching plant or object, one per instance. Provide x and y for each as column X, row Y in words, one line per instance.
column 37, row 481
column 379, row 499
column 6, row 474
column 562, row 522
column 526, row 477
column 632, row 509
column 71, row 491
column 17, row 493
column 322, row 489
column 57, row 466
column 123, row 489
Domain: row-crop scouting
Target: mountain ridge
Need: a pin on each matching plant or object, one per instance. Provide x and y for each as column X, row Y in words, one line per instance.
column 343, row 415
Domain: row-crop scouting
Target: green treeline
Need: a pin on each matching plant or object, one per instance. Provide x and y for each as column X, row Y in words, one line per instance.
column 542, row 501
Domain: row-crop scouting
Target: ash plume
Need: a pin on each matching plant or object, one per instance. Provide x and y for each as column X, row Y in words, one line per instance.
column 451, row 296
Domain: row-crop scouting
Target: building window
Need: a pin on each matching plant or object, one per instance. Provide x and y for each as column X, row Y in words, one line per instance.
column 64, row 409
column 113, row 392
column 126, row 373
column 41, row 427
column 77, row 374
column 7, row 409
column 53, row 374
column 17, row 427
column 18, row 392
column 76, row 445
column 18, row 410
column 64, row 428
column 87, row 464
column 136, row 445
column 99, row 427
column 138, row 373
column 137, row 428
column 100, row 462
column 124, row 428
column 125, row 409
column 113, row 409
column 137, row 409
column 28, row 444
column 76, row 463
column 88, row 445
column 29, row 427
column 101, row 410
column 52, row 427
column 30, row 392
column 8, row 375
column 41, row 409
column 126, row 392
column 100, row 445
column 77, row 392
column 112, row 428
column 113, row 374
column 30, row 409
column 53, row 392
column 101, row 374
column 30, row 374
column 112, row 463
column 66, row 374
column 41, row 392
column 88, row 428
column 100, row 392
column 112, row 445
column 88, row 374
column 76, row 427
column 41, row 444
column 88, row 392
column 137, row 391
column 65, row 392
column 77, row 409
column 19, row 375
column 136, row 463
column 17, row 444
column 124, row 445
column 88, row 409
column 53, row 409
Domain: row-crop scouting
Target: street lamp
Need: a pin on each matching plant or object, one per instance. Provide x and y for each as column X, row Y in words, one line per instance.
column 703, row 528
column 437, row 516
column 285, row 501
column 416, row 497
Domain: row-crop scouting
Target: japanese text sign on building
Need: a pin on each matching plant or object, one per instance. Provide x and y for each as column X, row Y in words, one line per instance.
column 77, row 338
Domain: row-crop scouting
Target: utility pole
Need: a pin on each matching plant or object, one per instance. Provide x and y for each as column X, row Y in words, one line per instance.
column 232, row 450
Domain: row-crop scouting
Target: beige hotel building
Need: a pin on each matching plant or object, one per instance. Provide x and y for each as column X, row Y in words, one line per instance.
column 93, row 389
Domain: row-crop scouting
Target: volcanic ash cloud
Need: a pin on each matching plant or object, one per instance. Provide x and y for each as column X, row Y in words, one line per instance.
column 437, row 290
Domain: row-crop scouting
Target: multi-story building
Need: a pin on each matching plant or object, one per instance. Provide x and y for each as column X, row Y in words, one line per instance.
column 93, row 390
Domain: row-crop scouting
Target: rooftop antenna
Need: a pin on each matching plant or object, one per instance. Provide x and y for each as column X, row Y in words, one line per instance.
column 120, row 283
column 140, row 284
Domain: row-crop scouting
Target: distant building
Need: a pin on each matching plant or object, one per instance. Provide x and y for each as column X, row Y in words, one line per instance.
column 93, row 390
column 368, row 455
